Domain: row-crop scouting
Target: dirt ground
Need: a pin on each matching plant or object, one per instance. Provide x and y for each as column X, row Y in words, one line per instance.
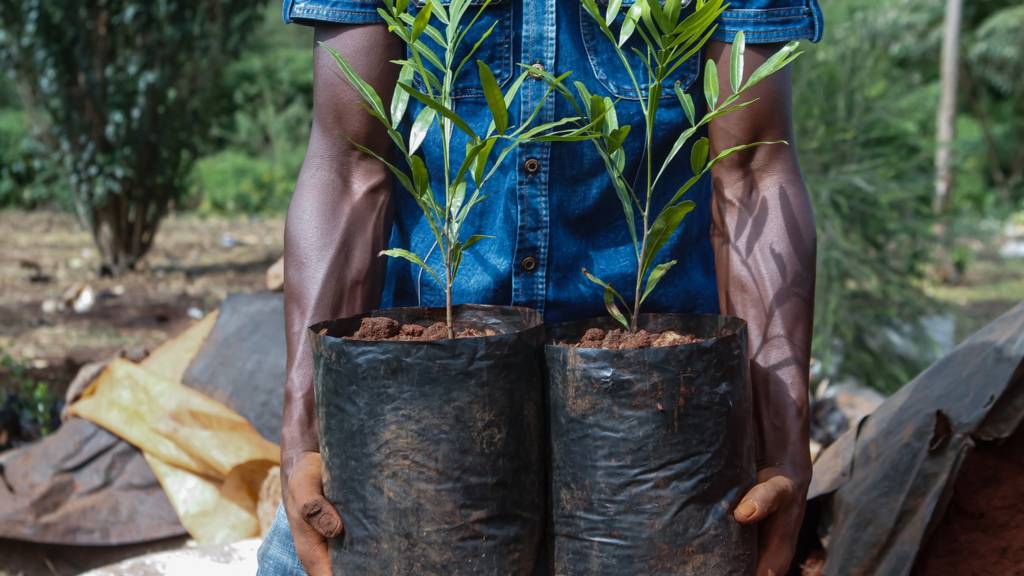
column 194, row 264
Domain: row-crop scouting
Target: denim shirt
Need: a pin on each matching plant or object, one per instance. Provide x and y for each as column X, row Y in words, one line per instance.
column 551, row 208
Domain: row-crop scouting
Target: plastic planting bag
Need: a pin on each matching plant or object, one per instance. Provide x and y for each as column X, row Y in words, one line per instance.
column 433, row 451
column 651, row 450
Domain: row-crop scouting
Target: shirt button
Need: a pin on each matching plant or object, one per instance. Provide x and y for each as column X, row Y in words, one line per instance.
column 532, row 165
column 529, row 264
column 536, row 71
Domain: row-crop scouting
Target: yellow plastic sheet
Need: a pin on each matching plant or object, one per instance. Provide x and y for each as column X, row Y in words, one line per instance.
column 208, row 458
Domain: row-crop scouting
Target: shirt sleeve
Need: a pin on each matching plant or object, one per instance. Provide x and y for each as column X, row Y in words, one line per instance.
column 769, row 21
column 313, row 12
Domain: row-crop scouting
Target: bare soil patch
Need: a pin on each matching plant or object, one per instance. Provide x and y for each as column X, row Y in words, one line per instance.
column 195, row 263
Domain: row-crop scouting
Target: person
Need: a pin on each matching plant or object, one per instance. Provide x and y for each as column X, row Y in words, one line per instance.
column 747, row 250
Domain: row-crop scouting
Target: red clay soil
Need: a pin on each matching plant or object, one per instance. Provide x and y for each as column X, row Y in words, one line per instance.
column 619, row 339
column 982, row 532
column 386, row 329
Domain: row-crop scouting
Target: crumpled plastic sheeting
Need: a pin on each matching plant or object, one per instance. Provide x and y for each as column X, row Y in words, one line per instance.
column 209, row 460
column 885, row 484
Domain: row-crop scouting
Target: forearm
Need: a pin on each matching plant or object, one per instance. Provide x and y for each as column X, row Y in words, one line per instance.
column 337, row 224
column 764, row 242
column 339, row 218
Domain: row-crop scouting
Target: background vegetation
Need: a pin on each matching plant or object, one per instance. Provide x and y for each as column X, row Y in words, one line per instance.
column 865, row 100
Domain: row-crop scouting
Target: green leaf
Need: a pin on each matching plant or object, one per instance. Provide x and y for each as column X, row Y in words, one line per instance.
column 406, row 255
column 473, row 240
column 495, row 100
column 420, row 23
column 672, row 9
column 400, row 99
column 420, row 127
column 656, row 275
column 420, row 176
column 711, row 84
column 610, row 294
column 613, row 10
column 739, row 46
column 699, row 155
column 687, row 103
column 776, row 62
column 730, row 151
column 366, row 92
column 662, row 229
column 439, row 108
column 458, row 196
column 481, row 160
column 629, row 23
column 617, row 137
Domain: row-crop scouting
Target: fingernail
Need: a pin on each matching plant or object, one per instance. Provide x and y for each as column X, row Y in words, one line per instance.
column 746, row 509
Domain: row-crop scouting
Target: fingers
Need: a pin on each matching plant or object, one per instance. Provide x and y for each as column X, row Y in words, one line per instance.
column 312, row 518
column 322, row 517
column 764, row 499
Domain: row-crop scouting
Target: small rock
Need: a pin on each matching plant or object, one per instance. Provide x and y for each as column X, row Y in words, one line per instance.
column 195, row 313
column 672, row 338
column 85, row 300
column 413, row 331
column 228, row 241
column 50, row 306
column 377, row 328
column 436, row 331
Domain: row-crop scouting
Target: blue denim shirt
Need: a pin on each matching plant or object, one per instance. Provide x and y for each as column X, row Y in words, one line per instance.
column 551, row 209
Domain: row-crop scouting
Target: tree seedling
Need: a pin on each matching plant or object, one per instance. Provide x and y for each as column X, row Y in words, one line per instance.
column 466, row 174
column 668, row 40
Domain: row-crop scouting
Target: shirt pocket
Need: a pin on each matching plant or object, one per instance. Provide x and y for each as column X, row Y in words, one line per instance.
column 607, row 67
column 496, row 51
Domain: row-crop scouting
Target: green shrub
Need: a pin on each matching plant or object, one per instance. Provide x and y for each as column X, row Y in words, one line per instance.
column 235, row 182
column 27, row 181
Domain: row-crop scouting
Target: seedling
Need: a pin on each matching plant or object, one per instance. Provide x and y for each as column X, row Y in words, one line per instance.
column 668, row 41
column 465, row 175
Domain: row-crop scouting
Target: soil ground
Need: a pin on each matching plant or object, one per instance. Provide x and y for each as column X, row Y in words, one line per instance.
column 194, row 264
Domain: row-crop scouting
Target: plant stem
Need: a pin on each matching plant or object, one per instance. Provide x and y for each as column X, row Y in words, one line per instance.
column 448, row 306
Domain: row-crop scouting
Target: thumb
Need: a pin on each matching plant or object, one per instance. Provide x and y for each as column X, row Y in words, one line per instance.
column 321, row 516
column 764, row 499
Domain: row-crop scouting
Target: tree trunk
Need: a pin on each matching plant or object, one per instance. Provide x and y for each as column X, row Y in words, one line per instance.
column 123, row 228
column 946, row 126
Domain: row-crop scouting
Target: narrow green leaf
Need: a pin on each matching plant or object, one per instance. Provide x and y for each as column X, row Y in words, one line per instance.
column 656, row 275
column 406, row 255
column 400, row 99
column 473, row 240
column 458, row 196
column 420, row 127
column 402, row 178
column 687, row 103
column 629, row 23
column 776, row 62
column 495, row 100
column 672, row 10
column 699, row 155
column 366, row 92
column 613, row 10
column 420, row 23
column 617, row 137
column 739, row 46
column 613, row 309
column 439, row 108
column 711, row 84
column 662, row 229
column 420, row 176
column 481, row 160
column 610, row 294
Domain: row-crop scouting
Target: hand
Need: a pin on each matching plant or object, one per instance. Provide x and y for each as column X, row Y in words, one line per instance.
column 776, row 504
column 311, row 517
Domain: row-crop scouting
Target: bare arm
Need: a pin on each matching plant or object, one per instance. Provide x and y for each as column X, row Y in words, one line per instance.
column 764, row 241
column 338, row 221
